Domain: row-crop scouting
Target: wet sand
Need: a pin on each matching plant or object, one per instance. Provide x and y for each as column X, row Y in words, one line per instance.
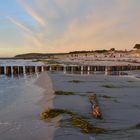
column 19, row 119
column 46, row 102
column 121, row 111
column 45, row 83
column 21, row 103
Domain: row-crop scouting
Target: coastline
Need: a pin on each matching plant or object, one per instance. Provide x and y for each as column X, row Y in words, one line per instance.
column 44, row 81
column 37, row 94
column 19, row 116
column 123, row 99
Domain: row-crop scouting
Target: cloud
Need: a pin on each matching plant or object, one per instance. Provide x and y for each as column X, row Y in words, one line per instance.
column 32, row 12
column 79, row 25
column 20, row 25
column 96, row 30
column 34, row 38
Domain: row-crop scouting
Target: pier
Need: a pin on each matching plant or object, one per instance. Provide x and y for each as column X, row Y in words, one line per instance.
column 17, row 70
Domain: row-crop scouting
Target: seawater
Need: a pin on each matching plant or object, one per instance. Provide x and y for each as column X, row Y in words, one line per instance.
column 19, row 108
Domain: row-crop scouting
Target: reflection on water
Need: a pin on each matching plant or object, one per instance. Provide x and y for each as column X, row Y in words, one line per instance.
column 115, row 73
column 118, row 73
column 19, row 119
column 35, row 75
column 19, row 62
column 19, row 114
column 19, row 109
column 20, row 76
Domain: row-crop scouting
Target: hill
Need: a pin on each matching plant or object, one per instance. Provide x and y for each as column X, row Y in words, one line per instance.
column 37, row 55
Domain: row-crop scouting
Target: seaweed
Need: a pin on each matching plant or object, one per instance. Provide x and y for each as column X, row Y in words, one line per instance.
column 75, row 120
column 137, row 126
column 75, row 81
column 51, row 113
column 85, row 125
column 109, row 86
column 89, row 92
column 46, row 61
column 59, row 92
column 105, row 96
column 130, row 81
column 116, row 101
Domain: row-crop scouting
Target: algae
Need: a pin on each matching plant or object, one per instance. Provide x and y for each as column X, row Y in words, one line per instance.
column 75, row 120
column 85, row 125
column 105, row 96
column 109, row 86
column 137, row 126
column 46, row 61
column 64, row 93
column 75, row 81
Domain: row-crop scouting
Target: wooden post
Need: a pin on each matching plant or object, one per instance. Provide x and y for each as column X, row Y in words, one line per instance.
column 42, row 70
column 24, row 70
column 15, row 70
column 4, row 69
column 27, row 69
column 95, row 69
column 39, row 69
column 65, row 69
column 46, row 68
column 96, row 111
column 88, row 68
column 72, row 68
column 61, row 68
column 8, row 70
column 21, row 70
column 50, row 68
column 82, row 68
column 1, row 70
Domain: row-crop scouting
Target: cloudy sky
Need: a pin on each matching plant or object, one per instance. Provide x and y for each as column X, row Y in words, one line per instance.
column 67, row 25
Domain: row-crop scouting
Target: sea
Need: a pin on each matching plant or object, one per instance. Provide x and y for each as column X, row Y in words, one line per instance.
column 19, row 108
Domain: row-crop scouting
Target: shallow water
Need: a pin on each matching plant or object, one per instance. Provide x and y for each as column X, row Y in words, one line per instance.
column 121, row 112
column 19, row 111
column 19, row 108
column 18, row 62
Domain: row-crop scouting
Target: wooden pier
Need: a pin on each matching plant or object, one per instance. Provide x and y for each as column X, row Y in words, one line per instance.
column 16, row 70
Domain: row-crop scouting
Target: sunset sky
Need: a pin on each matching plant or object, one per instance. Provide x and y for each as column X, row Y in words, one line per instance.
column 67, row 25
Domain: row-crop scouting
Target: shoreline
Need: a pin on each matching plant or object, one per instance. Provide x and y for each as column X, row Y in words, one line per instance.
column 37, row 94
column 47, row 102
column 45, row 83
column 19, row 116
column 123, row 100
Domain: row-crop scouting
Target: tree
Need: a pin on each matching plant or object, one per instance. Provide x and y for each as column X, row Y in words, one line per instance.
column 112, row 49
column 137, row 46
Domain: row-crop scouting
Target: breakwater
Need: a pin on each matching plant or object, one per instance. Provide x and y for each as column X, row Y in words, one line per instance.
column 14, row 70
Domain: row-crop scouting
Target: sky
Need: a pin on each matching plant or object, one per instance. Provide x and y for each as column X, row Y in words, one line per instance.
column 45, row 26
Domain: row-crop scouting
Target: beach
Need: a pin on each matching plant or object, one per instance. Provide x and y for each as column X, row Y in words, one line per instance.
column 69, row 70
column 121, row 110
column 21, row 102
column 23, row 98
